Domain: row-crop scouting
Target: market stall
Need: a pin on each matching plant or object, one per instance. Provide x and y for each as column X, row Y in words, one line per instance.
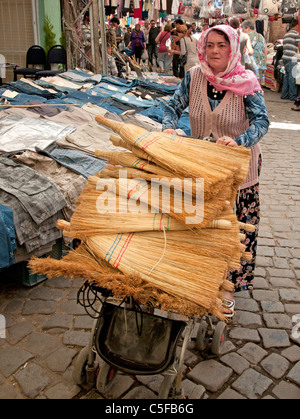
column 48, row 136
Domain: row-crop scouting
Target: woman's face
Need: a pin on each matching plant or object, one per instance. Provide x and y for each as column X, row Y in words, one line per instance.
column 217, row 52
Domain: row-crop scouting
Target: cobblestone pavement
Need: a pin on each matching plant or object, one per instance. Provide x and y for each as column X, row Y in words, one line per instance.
column 261, row 357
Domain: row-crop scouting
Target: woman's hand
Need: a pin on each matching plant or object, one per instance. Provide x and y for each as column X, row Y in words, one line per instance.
column 170, row 131
column 227, row 141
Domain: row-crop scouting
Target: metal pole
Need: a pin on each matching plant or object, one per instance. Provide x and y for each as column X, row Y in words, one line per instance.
column 95, row 36
column 103, row 36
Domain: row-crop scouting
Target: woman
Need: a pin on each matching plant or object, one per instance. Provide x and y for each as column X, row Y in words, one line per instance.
column 188, row 45
column 164, row 60
column 137, row 42
column 127, row 36
column 245, row 44
column 259, row 47
column 221, row 90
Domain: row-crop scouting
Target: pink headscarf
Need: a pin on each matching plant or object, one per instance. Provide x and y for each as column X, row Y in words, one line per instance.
column 235, row 78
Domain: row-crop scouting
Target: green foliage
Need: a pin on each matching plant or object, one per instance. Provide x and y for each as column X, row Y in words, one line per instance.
column 49, row 34
column 62, row 40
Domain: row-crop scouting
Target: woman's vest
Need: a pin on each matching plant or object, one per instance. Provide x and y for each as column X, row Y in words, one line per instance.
column 227, row 119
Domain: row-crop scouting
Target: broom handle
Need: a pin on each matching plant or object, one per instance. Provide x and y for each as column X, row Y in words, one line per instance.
column 114, row 125
column 221, row 224
column 62, row 224
column 113, row 155
column 247, row 227
column 119, row 142
column 67, row 105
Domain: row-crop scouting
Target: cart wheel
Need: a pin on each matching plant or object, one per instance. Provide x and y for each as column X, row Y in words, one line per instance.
column 218, row 338
column 202, row 339
column 106, row 377
column 167, row 389
column 79, row 372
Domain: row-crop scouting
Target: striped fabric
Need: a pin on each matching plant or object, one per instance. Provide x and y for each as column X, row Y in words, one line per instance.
column 290, row 45
column 270, row 81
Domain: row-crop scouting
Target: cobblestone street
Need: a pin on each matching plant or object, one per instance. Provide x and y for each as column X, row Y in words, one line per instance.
column 261, row 357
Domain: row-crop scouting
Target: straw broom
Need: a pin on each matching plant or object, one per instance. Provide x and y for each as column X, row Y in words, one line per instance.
column 236, row 156
column 118, row 142
column 230, row 155
column 174, row 156
column 171, row 204
column 170, row 156
column 178, row 274
column 88, row 220
column 190, row 269
column 181, row 265
column 130, row 160
column 114, row 172
column 81, row 263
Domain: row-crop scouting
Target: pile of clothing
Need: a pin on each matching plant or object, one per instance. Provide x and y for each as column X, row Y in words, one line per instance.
column 48, row 136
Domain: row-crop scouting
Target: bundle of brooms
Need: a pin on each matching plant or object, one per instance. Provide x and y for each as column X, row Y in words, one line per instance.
column 151, row 252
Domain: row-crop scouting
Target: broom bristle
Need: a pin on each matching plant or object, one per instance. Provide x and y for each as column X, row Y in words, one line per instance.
column 154, row 253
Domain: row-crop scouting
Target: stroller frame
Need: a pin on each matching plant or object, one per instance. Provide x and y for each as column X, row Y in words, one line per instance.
column 87, row 371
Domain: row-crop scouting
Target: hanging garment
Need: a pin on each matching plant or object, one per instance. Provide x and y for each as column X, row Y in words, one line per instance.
column 268, row 7
column 240, row 7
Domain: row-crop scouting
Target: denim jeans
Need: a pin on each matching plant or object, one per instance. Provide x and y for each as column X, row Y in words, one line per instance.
column 152, row 50
column 289, row 87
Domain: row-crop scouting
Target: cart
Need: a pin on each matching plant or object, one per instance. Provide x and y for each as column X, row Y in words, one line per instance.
column 135, row 340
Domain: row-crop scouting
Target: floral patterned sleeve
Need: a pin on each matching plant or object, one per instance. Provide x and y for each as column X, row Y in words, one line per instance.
column 177, row 104
column 258, row 120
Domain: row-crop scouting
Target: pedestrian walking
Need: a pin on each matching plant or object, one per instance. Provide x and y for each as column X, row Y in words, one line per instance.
column 226, row 102
column 127, row 36
column 188, row 45
column 178, row 70
column 246, row 49
column 152, row 32
column 291, row 44
column 164, row 59
column 137, row 42
column 260, row 50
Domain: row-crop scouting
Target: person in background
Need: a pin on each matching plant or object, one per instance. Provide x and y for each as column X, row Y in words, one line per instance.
column 127, row 36
column 153, row 31
column 297, row 104
column 112, row 69
column 86, row 34
column 145, row 28
column 197, row 34
column 259, row 47
column 111, row 38
column 291, row 44
column 115, row 23
column 246, row 49
column 86, row 29
column 137, row 42
column 204, row 27
column 232, row 111
column 164, row 59
column 178, row 70
column 188, row 45
column 193, row 28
